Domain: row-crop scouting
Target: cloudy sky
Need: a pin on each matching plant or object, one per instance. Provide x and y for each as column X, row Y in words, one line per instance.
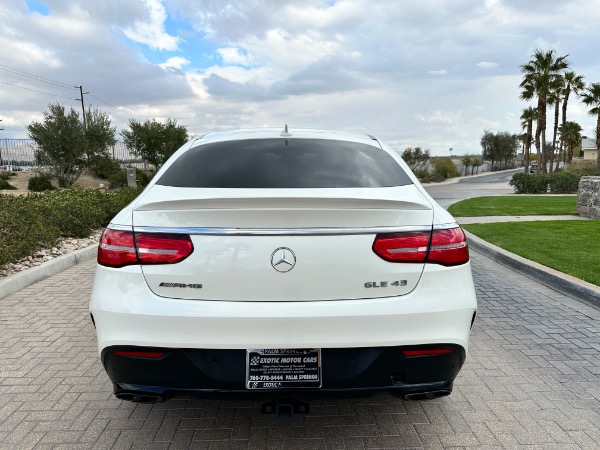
column 433, row 73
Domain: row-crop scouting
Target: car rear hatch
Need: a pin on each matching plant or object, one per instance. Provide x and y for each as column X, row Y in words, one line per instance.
column 282, row 244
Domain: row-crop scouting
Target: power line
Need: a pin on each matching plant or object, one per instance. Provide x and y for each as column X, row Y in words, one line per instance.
column 98, row 98
column 35, row 90
column 35, row 77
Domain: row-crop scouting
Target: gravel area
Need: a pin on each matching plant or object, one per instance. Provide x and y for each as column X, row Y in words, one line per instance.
column 48, row 253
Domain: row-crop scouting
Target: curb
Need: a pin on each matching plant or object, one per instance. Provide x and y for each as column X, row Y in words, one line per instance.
column 16, row 282
column 565, row 284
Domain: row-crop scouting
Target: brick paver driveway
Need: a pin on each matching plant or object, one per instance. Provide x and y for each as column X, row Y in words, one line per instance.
column 532, row 378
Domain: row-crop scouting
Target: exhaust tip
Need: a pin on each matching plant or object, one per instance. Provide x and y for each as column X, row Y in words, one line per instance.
column 426, row 395
column 140, row 398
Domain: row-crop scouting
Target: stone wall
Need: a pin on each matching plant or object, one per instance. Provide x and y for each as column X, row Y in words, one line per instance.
column 588, row 197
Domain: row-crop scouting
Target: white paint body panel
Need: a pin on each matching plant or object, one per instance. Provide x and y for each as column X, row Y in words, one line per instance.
column 322, row 303
column 439, row 310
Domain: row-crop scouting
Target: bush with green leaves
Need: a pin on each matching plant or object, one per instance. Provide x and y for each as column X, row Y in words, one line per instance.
column 563, row 182
column 444, row 168
column 104, row 166
column 119, row 179
column 583, row 168
column 4, row 177
column 29, row 222
column 40, row 183
column 542, row 183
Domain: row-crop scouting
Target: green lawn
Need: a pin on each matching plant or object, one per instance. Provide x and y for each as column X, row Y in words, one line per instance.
column 521, row 205
column 572, row 247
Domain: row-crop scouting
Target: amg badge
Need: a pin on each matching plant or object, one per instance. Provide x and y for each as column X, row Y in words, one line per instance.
column 180, row 285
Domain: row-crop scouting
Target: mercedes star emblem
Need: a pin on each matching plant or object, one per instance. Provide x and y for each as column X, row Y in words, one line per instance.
column 283, row 259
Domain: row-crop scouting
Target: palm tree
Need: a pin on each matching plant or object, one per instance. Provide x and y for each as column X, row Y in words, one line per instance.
column 539, row 75
column 570, row 136
column 573, row 83
column 527, row 117
column 554, row 98
column 591, row 97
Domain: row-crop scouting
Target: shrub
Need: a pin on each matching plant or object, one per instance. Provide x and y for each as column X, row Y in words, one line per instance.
column 103, row 166
column 28, row 222
column 422, row 175
column 5, row 185
column 563, row 182
column 4, row 177
column 119, row 179
column 541, row 183
column 40, row 183
column 444, row 168
column 582, row 168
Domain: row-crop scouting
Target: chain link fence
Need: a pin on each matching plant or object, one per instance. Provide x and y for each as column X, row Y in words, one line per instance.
column 19, row 154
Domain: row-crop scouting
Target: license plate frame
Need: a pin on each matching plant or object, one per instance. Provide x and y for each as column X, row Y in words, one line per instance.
column 278, row 368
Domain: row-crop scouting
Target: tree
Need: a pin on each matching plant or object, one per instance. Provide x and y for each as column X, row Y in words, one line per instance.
column 527, row 117
column 554, row 98
column 570, row 136
column 573, row 83
column 66, row 145
column 499, row 147
column 539, row 76
column 591, row 97
column 415, row 157
column 154, row 141
column 466, row 161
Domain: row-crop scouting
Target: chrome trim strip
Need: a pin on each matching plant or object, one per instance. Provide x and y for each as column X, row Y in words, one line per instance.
column 445, row 226
column 114, row 226
column 280, row 231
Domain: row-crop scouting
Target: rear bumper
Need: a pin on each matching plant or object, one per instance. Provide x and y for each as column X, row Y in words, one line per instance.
column 185, row 371
column 439, row 310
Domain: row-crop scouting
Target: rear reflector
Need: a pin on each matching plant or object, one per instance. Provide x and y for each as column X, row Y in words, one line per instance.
column 140, row 354
column 427, row 352
column 446, row 247
column 122, row 248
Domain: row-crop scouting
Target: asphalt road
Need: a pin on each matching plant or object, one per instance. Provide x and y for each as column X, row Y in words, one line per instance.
column 531, row 380
column 495, row 183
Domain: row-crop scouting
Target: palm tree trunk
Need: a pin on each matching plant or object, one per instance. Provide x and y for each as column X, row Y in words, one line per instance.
column 538, row 132
column 598, row 146
column 543, row 136
column 564, row 121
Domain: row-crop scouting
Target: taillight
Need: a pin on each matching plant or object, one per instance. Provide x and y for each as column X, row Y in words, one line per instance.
column 121, row 248
column 116, row 248
column 157, row 248
column 446, row 247
column 402, row 247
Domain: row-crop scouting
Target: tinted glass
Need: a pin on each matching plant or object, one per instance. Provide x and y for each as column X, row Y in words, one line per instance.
column 281, row 163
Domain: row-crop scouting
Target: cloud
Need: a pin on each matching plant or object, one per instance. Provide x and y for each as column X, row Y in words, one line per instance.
column 151, row 30
column 487, row 65
column 232, row 55
column 438, row 72
column 176, row 62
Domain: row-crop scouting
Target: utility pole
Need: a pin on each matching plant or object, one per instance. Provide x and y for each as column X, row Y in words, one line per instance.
column 81, row 99
column 1, row 129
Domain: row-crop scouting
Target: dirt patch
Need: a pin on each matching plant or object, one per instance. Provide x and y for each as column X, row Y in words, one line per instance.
column 22, row 178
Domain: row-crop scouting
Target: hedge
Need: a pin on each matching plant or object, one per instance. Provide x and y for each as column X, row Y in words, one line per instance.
column 542, row 183
column 35, row 220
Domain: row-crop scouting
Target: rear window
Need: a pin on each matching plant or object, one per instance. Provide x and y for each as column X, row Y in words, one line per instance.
column 285, row 163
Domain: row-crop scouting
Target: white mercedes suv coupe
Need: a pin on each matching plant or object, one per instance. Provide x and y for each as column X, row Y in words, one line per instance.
column 277, row 261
